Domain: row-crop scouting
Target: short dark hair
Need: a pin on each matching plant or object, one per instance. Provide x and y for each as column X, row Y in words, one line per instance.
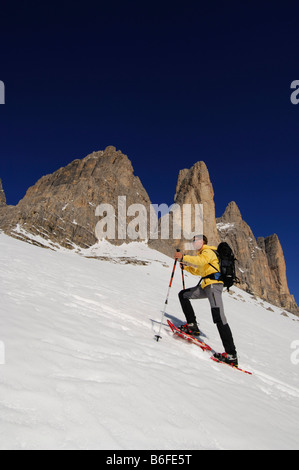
column 203, row 237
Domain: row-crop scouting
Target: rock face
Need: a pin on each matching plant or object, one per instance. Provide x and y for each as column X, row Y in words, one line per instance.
column 2, row 196
column 261, row 266
column 277, row 266
column 194, row 187
column 62, row 206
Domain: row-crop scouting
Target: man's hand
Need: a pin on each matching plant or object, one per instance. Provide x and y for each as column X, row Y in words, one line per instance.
column 178, row 255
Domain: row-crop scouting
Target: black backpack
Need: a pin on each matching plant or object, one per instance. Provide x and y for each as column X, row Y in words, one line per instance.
column 227, row 265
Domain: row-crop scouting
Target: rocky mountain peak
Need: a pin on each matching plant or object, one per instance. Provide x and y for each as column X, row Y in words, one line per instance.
column 260, row 263
column 194, row 187
column 62, row 206
column 2, row 196
column 232, row 213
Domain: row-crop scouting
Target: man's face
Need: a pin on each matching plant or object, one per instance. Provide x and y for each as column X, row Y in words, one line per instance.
column 198, row 243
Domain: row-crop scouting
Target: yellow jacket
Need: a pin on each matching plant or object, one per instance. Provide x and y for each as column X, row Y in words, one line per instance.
column 200, row 265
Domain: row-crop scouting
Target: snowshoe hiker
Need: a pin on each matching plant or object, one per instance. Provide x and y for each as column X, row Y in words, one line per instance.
column 206, row 265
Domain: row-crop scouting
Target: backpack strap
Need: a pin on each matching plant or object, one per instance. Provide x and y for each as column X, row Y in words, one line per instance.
column 217, row 275
column 217, row 271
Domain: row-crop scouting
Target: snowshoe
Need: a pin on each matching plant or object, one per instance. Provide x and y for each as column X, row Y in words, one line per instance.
column 231, row 359
column 191, row 329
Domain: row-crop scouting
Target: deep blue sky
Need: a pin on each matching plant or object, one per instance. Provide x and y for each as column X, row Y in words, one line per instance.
column 169, row 84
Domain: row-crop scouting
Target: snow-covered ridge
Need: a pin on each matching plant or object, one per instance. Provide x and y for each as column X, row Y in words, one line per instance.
column 83, row 371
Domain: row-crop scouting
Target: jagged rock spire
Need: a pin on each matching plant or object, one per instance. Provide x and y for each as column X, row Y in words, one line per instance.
column 2, row 195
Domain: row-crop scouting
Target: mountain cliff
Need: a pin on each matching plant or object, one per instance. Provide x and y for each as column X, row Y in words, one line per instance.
column 2, row 196
column 62, row 207
column 194, row 187
column 260, row 263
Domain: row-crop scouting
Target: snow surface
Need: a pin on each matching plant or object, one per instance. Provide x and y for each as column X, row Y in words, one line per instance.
column 83, row 371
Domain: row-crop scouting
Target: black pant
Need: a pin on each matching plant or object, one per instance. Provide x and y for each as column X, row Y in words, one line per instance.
column 213, row 293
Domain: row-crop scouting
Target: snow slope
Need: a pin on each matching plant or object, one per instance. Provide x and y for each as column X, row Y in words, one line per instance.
column 83, row 371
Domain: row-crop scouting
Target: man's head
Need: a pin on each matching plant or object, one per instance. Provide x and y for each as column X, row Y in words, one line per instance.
column 199, row 241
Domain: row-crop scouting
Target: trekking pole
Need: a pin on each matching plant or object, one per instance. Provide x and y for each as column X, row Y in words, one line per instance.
column 158, row 336
column 183, row 278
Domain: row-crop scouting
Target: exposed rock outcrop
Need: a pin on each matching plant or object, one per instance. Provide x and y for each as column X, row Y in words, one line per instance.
column 194, row 187
column 261, row 265
column 62, row 206
column 2, row 196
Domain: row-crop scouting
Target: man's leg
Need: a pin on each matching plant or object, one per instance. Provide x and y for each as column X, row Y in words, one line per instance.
column 190, row 294
column 214, row 294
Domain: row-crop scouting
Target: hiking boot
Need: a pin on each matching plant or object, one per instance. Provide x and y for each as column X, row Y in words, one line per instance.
column 191, row 329
column 231, row 359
